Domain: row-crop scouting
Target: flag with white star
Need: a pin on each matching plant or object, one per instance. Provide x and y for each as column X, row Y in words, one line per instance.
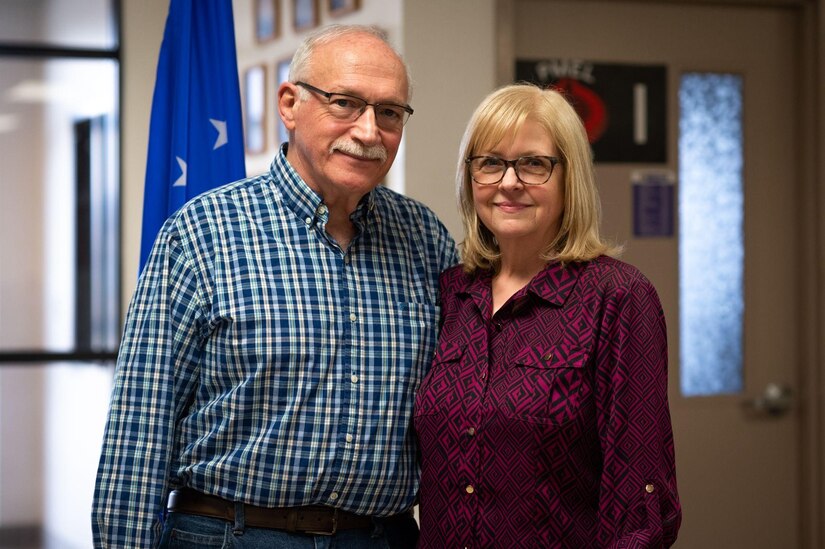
column 196, row 131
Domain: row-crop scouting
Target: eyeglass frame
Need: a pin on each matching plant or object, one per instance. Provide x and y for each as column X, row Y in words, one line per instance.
column 554, row 160
column 328, row 96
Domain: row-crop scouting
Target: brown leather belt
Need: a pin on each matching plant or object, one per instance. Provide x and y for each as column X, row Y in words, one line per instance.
column 308, row 520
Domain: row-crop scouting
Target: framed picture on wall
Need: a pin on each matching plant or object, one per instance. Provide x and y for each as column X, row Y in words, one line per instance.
column 267, row 20
column 304, row 14
column 255, row 109
column 342, row 7
column 281, row 76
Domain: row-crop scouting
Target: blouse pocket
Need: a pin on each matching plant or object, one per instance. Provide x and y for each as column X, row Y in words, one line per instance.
column 438, row 389
column 544, row 384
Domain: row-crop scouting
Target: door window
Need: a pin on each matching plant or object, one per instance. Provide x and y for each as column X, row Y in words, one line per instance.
column 711, row 241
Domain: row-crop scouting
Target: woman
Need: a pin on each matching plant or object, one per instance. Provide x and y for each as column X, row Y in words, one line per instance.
column 544, row 420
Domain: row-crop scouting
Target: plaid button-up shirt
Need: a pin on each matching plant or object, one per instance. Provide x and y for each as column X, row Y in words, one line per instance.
column 262, row 363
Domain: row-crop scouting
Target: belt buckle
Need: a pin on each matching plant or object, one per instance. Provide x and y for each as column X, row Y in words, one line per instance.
column 330, row 532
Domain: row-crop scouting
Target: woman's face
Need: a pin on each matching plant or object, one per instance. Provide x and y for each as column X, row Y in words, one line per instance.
column 519, row 214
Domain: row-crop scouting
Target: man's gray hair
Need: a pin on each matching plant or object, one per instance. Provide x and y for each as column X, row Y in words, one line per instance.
column 300, row 66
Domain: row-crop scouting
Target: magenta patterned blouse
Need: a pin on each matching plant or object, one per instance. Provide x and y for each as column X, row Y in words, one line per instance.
column 548, row 424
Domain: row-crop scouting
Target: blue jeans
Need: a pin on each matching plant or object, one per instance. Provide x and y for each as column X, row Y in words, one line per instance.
column 184, row 531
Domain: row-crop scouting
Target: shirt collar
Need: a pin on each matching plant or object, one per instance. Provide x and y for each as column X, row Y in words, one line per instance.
column 552, row 284
column 305, row 202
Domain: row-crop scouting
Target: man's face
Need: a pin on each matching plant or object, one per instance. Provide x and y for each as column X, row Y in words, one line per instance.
column 340, row 159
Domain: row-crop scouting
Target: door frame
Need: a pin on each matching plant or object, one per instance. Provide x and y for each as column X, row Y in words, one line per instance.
column 811, row 409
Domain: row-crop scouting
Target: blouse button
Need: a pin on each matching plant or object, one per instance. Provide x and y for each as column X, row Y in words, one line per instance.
column 650, row 488
column 471, row 431
column 469, row 489
column 547, row 356
column 483, row 376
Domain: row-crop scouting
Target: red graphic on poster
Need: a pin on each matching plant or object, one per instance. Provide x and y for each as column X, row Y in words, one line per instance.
column 588, row 104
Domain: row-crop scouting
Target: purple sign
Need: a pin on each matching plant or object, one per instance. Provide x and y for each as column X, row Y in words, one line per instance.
column 653, row 196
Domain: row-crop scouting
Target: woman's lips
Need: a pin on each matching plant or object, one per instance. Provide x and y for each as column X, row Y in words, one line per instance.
column 511, row 207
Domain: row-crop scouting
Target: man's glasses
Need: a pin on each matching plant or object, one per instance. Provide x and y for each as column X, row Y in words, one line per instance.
column 530, row 170
column 388, row 116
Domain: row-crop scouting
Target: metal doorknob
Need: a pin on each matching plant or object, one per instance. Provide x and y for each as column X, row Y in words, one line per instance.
column 775, row 401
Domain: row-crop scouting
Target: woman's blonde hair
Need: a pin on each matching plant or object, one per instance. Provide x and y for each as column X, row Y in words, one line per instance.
column 498, row 118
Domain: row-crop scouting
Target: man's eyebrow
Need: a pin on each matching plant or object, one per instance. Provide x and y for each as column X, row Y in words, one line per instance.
column 347, row 91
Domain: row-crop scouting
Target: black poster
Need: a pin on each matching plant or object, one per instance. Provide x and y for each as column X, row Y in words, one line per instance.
column 623, row 107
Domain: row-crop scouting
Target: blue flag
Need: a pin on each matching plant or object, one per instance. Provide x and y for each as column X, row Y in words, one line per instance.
column 196, row 130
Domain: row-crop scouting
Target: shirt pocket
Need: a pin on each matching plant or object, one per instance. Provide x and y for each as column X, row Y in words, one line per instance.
column 544, row 384
column 439, row 389
column 409, row 336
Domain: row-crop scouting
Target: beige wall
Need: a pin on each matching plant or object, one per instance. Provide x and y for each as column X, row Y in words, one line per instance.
column 143, row 24
column 450, row 47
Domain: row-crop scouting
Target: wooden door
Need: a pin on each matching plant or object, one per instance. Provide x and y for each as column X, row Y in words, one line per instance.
column 738, row 471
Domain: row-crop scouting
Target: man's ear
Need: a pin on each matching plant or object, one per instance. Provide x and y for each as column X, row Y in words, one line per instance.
column 287, row 102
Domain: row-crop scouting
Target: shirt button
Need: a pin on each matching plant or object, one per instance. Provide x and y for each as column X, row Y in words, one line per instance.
column 469, row 489
column 333, row 496
column 353, row 317
column 322, row 209
column 308, row 220
column 349, row 438
column 483, row 376
column 471, row 431
column 498, row 326
column 650, row 488
column 346, row 259
column 547, row 356
column 353, row 378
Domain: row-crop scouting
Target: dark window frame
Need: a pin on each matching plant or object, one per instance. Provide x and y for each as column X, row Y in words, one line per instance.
column 19, row 50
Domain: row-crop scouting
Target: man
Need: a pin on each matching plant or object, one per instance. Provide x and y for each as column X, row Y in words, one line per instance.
column 278, row 333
